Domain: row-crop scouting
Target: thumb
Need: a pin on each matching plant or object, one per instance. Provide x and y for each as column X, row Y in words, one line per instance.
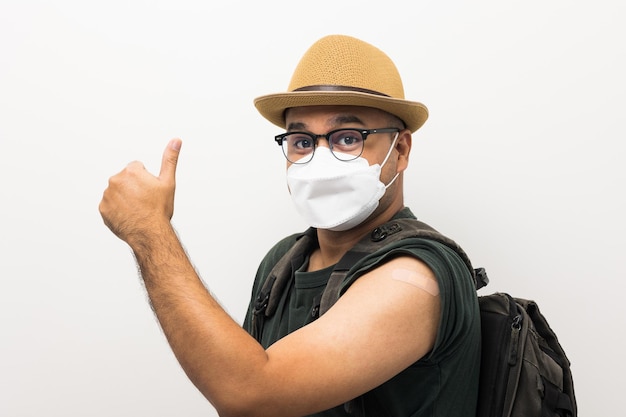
column 170, row 160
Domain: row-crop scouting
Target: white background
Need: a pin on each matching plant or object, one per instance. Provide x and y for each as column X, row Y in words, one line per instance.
column 521, row 162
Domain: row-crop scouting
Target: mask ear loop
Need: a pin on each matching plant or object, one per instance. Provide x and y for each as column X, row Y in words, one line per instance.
column 393, row 144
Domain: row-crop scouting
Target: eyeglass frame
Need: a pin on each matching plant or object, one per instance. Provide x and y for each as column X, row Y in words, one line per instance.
column 363, row 132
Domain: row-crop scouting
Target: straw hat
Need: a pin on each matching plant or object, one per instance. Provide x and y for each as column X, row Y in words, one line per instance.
column 342, row 70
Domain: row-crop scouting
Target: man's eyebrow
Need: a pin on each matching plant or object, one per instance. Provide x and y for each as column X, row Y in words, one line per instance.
column 345, row 119
column 339, row 120
column 296, row 126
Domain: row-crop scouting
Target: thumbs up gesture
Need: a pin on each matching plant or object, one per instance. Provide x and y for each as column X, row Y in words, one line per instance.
column 137, row 203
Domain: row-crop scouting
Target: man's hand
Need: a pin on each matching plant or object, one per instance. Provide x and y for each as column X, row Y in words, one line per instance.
column 136, row 202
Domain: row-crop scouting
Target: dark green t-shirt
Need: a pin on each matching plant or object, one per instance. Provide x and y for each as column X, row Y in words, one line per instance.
column 444, row 383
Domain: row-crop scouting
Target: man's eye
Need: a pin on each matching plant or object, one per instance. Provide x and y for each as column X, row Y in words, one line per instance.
column 347, row 140
column 301, row 142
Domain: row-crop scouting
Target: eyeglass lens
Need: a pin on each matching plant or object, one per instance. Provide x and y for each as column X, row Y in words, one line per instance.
column 345, row 144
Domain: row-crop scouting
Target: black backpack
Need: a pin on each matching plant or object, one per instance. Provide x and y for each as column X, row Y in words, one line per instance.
column 524, row 370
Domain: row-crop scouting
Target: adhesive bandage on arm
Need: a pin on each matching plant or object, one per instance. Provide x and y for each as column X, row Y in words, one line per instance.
column 417, row 279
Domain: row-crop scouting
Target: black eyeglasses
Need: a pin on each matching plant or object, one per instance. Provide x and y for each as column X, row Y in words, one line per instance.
column 345, row 144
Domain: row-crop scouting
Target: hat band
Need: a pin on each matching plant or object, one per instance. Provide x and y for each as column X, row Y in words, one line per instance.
column 339, row 88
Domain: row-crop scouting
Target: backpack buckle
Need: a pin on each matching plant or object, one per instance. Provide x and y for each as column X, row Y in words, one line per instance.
column 381, row 232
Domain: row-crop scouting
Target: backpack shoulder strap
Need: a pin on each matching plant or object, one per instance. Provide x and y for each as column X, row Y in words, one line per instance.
column 385, row 234
column 267, row 299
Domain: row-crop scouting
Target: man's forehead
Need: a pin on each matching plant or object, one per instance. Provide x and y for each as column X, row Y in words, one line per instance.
column 300, row 117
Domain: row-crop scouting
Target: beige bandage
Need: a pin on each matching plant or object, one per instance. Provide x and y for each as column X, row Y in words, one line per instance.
column 416, row 279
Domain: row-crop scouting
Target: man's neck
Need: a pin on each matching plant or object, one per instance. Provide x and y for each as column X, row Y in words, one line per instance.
column 333, row 245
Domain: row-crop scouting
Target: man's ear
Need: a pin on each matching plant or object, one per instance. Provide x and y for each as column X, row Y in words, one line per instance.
column 403, row 146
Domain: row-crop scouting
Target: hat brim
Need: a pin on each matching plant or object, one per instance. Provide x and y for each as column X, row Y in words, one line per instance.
column 273, row 106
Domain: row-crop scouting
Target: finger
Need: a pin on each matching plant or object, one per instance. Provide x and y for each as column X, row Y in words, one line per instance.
column 170, row 159
column 136, row 165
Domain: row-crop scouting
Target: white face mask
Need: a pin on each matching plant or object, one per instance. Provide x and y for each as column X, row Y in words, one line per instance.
column 336, row 195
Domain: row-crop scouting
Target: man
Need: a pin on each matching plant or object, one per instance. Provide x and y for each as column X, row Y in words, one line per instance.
column 403, row 338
